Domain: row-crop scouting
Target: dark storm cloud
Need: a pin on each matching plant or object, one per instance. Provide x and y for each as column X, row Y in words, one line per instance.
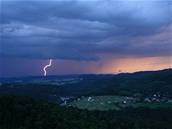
column 83, row 30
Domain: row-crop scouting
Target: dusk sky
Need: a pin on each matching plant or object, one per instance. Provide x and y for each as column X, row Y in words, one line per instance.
column 84, row 36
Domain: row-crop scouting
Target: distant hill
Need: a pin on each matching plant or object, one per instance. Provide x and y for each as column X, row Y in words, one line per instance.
column 53, row 87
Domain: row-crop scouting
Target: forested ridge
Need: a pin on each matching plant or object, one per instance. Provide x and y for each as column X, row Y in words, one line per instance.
column 26, row 113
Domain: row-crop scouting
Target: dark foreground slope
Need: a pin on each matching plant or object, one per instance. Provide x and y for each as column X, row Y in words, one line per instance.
column 25, row 113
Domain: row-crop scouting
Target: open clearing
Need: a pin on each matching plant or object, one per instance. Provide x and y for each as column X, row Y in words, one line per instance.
column 104, row 103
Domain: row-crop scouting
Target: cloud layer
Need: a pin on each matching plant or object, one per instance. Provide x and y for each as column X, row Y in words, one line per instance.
column 85, row 30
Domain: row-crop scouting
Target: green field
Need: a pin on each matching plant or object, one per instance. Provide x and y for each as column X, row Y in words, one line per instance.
column 104, row 103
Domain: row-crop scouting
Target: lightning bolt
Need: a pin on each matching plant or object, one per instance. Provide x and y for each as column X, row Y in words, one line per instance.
column 46, row 66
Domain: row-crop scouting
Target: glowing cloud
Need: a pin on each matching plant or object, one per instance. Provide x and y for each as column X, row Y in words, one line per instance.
column 46, row 66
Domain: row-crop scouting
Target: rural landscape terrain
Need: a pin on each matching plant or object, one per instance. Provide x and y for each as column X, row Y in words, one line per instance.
column 141, row 100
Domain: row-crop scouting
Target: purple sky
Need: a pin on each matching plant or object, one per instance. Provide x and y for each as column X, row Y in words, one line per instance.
column 84, row 36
